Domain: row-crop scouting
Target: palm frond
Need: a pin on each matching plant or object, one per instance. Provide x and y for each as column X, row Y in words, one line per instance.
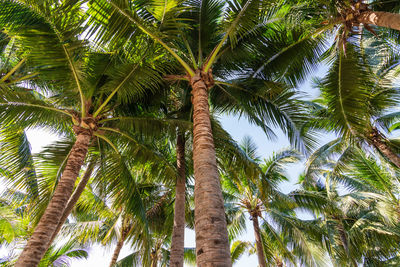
column 17, row 162
column 346, row 92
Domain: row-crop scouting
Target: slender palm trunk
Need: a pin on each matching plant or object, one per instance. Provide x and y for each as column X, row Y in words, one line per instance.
column 40, row 239
column 259, row 246
column 178, row 232
column 124, row 233
column 378, row 141
column 158, row 205
column 279, row 263
column 345, row 244
column 381, row 19
column 212, row 245
column 74, row 198
column 154, row 258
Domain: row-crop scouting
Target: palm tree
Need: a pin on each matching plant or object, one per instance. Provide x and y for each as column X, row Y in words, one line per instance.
column 69, row 69
column 333, row 221
column 19, row 210
column 101, row 222
column 356, row 222
column 206, row 44
column 124, row 199
column 258, row 195
column 355, row 12
column 357, row 101
column 178, row 232
column 177, row 106
column 347, row 19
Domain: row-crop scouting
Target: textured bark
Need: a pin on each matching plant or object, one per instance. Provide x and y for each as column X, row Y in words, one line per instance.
column 72, row 201
column 212, row 245
column 259, row 246
column 381, row 19
column 343, row 237
column 378, row 141
column 153, row 211
column 120, row 244
column 40, row 239
column 345, row 244
column 178, row 232
column 154, row 258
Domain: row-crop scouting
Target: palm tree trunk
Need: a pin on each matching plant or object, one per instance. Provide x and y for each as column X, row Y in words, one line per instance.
column 259, row 246
column 212, row 245
column 157, row 206
column 120, row 244
column 345, row 244
column 40, row 239
column 178, row 232
column 74, row 198
column 378, row 141
column 381, row 19
column 154, row 258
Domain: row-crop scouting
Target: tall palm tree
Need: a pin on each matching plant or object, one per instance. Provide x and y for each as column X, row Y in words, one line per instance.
column 64, row 65
column 347, row 19
column 210, row 48
column 20, row 209
column 177, row 106
column 178, row 233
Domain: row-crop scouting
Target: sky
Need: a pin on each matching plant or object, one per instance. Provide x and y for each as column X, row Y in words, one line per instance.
column 238, row 128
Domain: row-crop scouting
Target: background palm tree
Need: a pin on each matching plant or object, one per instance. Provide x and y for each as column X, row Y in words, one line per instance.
column 355, row 221
column 358, row 101
column 259, row 196
column 19, row 216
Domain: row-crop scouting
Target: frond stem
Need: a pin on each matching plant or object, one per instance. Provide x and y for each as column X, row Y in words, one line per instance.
column 157, row 39
column 212, row 56
column 107, row 141
column 12, row 71
column 35, row 105
column 117, row 88
column 312, row 35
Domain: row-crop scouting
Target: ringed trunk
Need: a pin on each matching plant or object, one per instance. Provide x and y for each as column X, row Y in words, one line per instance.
column 259, row 246
column 154, row 259
column 345, row 244
column 381, row 19
column 120, row 244
column 40, row 239
column 72, row 201
column 212, row 245
column 378, row 141
column 178, row 232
